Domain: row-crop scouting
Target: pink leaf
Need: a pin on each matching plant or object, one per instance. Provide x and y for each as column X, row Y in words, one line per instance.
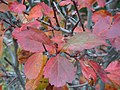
column 116, row 42
column 101, row 3
column 59, row 71
column 33, row 65
column 87, row 71
column 66, row 2
column 31, row 39
column 113, row 70
column 17, row 7
column 35, row 12
column 110, row 29
column 99, row 70
column 84, row 40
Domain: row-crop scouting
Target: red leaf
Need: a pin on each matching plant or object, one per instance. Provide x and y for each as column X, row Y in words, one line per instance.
column 113, row 70
column 99, row 70
column 101, row 3
column 39, row 10
column 114, row 30
column 100, row 14
column 46, row 10
column 110, row 29
column 101, row 27
column 66, row 2
column 87, row 71
column 84, row 40
column 17, row 7
column 31, row 39
column 59, row 71
column 35, row 12
column 116, row 42
column 33, row 65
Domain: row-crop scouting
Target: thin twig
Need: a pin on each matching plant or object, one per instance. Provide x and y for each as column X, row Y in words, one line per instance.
column 75, row 27
column 80, row 85
column 89, row 18
column 12, row 25
column 4, row 2
column 44, row 47
column 55, row 15
column 8, row 62
column 75, row 5
column 58, row 10
column 55, row 27
column 97, row 7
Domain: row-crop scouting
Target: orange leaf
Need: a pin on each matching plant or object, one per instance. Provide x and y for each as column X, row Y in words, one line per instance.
column 35, row 12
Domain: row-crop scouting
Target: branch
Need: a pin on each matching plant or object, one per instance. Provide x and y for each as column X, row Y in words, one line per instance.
column 55, row 15
column 4, row 2
column 97, row 7
column 8, row 62
column 75, row 5
column 15, row 66
column 75, row 26
column 79, row 85
column 58, row 10
column 55, row 27
column 12, row 25
column 89, row 20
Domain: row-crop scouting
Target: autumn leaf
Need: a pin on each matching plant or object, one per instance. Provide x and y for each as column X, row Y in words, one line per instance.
column 59, row 71
column 1, row 37
column 100, row 14
column 61, row 88
column 40, row 9
column 65, row 2
column 115, row 42
column 36, row 59
column 32, row 39
column 87, row 71
column 34, row 65
column 110, row 29
column 23, row 56
column 43, row 84
column 4, row 7
column 101, row 3
column 99, row 70
column 16, row 7
column 113, row 71
column 91, row 69
column 35, row 12
column 84, row 40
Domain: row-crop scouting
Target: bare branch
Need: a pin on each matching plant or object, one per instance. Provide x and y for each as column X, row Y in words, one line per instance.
column 75, row 5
